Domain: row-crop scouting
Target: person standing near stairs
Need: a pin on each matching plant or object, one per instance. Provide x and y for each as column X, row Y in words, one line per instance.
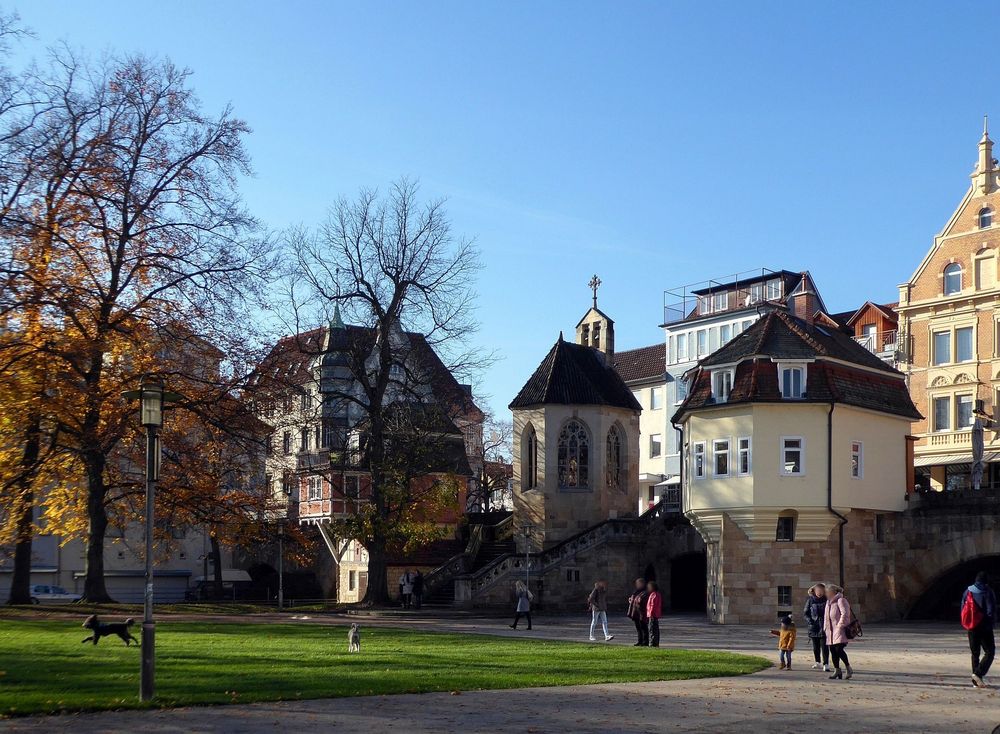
column 598, row 603
column 524, row 597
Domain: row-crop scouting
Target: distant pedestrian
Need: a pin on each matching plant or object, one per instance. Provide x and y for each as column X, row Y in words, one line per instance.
column 524, row 597
column 786, row 642
column 837, row 618
column 654, row 610
column 979, row 615
column 814, row 612
column 406, row 589
column 637, row 612
column 598, row 604
column 418, row 589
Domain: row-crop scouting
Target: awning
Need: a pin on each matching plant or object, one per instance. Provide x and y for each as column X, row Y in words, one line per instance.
column 947, row 459
column 671, row 481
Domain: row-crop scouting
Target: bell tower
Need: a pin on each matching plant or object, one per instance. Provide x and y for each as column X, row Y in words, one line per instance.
column 596, row 329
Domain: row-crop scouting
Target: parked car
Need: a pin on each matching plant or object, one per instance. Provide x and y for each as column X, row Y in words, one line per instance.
column 44, row 594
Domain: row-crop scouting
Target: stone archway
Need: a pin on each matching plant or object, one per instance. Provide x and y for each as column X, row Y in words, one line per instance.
column 942, row 598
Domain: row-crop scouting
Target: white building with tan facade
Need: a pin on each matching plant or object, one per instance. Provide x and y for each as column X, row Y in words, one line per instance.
column 796, row 446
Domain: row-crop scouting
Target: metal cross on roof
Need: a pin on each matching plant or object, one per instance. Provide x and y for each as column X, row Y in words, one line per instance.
column 595, row 283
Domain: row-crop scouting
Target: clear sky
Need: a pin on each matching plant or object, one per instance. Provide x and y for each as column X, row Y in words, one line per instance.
column 656, row 144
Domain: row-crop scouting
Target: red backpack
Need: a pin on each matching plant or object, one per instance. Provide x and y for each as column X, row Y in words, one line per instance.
column 972, row 615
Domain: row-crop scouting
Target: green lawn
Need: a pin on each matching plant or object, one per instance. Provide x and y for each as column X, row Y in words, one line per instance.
column 45, row 669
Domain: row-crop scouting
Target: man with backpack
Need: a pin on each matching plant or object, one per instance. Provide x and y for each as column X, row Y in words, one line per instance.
column 979, row 610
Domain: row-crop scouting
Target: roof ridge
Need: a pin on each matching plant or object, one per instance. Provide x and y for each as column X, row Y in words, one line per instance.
column 792, row 324
column 764, row 331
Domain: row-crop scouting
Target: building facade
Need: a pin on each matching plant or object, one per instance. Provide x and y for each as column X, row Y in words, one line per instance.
column 796, row 448
column 949, row 322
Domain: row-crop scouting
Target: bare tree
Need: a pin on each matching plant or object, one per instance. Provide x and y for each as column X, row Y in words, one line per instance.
column 394, row 268
column 493, row 489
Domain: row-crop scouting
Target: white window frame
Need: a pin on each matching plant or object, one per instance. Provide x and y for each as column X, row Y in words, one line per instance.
column 934, row 350
column 788, row 366
column 744, row 446
column 961, row 280
column 857, row 460
column 314, row 488
column 698, row 449
column 683, row 340
column 716, row 453
column 701, row 349
column 654, row 392
column 986, row 213
column 681, row 387
column 959, row 426
column 659, row 453
column 972, row 336
column 782, row 448
column 720, row 301
column 720, row 393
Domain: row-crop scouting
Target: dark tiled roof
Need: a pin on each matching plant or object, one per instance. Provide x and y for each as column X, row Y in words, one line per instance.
column 781, row 335
column 643, row 363
column 857, row 378
column 572, row 374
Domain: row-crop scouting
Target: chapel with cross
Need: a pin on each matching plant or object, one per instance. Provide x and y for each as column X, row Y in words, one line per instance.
column 596, row 329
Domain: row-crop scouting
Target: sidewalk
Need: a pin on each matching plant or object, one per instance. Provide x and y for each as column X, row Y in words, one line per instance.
column 910, row 678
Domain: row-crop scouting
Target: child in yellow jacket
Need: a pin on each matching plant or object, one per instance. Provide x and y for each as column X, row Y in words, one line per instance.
column 786, row 642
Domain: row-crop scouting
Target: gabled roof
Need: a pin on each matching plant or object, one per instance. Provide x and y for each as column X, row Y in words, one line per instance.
column 572, row 374
column 599, row 312
column 888, row 310
column 780, row 335
column 841, row 370
column 644, row 363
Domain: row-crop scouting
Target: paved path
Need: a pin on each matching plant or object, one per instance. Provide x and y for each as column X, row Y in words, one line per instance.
column 910, row 678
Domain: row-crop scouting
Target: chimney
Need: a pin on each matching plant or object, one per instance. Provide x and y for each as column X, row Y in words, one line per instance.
column 804, row 301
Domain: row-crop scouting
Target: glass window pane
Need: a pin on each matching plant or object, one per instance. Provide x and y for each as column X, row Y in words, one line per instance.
column 942, row 347
column 963, row 411
column 942, row 414
column 963, row 344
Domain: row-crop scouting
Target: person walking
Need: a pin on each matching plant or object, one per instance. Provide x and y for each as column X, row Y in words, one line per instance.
column 418, row 589
column 786, row 642
column 406, row 589
column 598, row 603
column 524, row 597
column 654, row 610
column 814, row 613
column 637, row 612
column 979, row 613
column 836, row 618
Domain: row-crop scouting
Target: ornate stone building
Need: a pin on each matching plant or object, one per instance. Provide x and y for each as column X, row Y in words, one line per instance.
column 949, row 323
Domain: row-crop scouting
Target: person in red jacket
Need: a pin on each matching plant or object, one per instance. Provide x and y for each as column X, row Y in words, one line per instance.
column 654, row 609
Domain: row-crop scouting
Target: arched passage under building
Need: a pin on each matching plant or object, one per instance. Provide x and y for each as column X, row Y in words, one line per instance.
column 688, row 582
column 942, row 599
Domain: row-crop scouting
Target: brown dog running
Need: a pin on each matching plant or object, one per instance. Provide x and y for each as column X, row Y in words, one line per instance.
column 100, row 629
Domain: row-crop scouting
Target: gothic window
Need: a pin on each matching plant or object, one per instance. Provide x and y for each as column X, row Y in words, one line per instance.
column 529, row 459
column 952, row 279
column 574, row 456
column 615, row 462
column 985, row 217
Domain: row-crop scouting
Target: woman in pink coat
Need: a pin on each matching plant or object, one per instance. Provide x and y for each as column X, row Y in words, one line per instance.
column 836, row 619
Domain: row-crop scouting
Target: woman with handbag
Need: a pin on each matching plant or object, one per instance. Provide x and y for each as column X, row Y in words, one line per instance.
column 837, row 619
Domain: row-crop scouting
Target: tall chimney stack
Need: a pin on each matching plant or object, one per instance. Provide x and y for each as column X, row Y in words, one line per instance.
column 804, row 301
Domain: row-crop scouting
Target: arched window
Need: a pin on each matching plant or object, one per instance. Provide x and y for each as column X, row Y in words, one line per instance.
column 952, row 279
column 985, row 217
column 529, row 459
column 574, row 456
column 615, row 461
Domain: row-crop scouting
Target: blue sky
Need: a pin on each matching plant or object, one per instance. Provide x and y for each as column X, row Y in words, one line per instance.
column 653, row 143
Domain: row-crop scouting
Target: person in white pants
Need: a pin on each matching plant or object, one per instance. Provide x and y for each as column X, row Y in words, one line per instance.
column 598, row 602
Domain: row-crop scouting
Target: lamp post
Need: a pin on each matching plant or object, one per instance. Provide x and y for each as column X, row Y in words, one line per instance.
column 151, row 396
column 527, row 553
column 281, row 565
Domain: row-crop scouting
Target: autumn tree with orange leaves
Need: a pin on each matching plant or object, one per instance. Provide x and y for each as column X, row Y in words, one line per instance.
column 125, row 239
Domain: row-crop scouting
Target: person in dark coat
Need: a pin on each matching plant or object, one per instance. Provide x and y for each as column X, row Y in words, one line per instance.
column 637, row 612
column 813, row 612
column 981, row 640
column 418, row 589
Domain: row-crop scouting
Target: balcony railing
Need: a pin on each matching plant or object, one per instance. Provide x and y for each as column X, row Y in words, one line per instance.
column 880, row 344
column 961, row 439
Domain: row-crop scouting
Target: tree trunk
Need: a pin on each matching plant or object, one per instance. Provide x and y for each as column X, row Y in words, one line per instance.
column 377, row 593
column 20, row 584
column 94, row 589
column 216, row 566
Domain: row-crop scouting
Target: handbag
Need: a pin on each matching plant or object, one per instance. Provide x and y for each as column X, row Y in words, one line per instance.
column 854, row 628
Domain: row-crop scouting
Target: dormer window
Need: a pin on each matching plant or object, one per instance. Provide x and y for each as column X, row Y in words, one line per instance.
column 985, row 217
column 722, row 385
column 720, row 301
column 792, row 381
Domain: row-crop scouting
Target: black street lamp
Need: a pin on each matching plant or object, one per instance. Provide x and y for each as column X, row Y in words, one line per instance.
column 151, row 396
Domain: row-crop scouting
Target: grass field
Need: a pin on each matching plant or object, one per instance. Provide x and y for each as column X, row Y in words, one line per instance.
column 45, row 669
